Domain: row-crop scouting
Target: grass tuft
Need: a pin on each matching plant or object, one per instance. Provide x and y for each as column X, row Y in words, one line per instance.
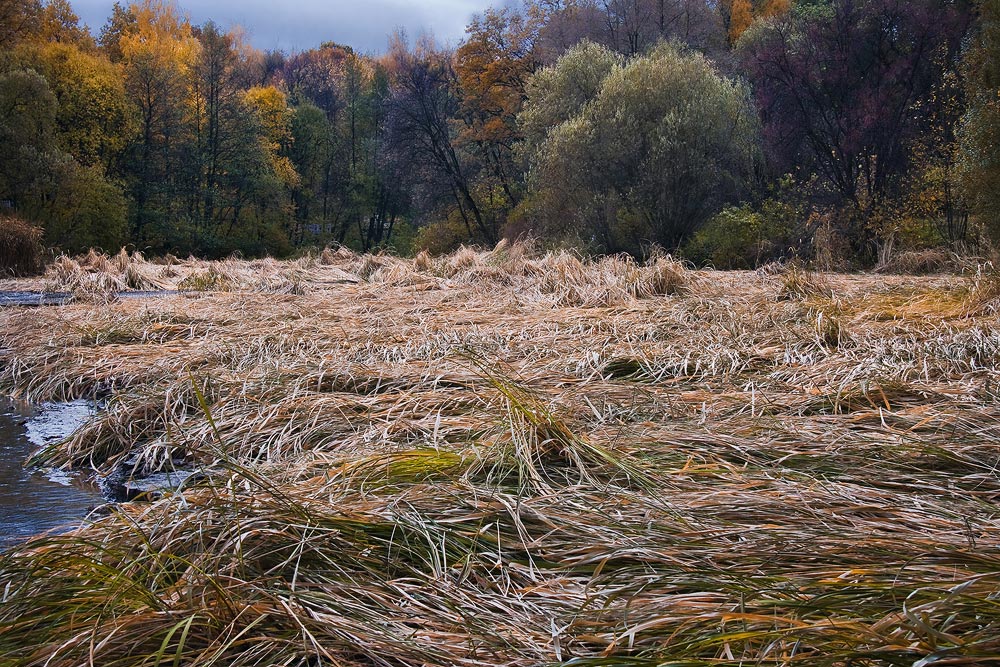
column 21, row 250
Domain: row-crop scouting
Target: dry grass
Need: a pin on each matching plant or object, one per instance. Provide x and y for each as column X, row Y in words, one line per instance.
column 926, row 261
column 21, row 250
column 508, row 458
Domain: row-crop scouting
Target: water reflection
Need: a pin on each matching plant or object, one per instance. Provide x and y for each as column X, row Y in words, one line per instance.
column 32, row 502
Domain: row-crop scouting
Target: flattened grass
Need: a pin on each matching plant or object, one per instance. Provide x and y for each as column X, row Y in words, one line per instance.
column 731, row 470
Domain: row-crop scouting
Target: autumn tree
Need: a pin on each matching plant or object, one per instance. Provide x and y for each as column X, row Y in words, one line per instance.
column 740, row 18
column 18, row 20
column 158, row 52
column 95, row 121
column 493, row 67
column 739, row 15
column 661, row 145
column 122, row 23
column 57, row 22
column 841, row 90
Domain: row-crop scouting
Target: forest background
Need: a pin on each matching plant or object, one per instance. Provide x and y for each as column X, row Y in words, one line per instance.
column 733, row 132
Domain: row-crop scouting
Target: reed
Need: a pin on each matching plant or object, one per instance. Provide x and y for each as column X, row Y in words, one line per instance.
column 519, row 458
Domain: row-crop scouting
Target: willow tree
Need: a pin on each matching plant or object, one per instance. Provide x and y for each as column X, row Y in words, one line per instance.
column 660, row 146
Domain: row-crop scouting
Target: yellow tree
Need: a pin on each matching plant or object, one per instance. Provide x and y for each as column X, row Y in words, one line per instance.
column 158, row 52
column 94, row 119
column 58, row 23
column 270, row 106
column 738, row 15
column 775, row 8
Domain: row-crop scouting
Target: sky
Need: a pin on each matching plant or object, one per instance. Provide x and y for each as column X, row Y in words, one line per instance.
column 296, row 25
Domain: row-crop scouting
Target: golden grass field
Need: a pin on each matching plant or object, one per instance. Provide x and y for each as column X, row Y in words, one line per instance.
column 516, row 458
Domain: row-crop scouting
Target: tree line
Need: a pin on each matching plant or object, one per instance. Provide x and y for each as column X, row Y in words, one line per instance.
column 732, row 131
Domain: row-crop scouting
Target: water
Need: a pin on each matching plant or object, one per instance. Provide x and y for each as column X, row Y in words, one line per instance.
column 8, row 298
column 34, row 298
column 33, row 502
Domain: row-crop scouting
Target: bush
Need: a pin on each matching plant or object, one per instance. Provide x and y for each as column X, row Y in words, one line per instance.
column 740, row 237
column 21, row 251
column 662, row 143
column 442, row 237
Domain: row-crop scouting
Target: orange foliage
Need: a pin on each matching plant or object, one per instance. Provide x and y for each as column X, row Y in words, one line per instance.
column 774, row 8
column 493, row 67
column 740, row 18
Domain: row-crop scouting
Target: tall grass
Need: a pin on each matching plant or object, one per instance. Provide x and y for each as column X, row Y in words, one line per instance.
column 21, row 250
column 517, row 458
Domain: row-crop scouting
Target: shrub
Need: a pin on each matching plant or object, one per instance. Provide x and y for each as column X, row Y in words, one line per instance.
column 663, row 141
column 740, row 237
column 21, row 251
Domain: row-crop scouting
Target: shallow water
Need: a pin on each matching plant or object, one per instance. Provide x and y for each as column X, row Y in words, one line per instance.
column 33, row 502
column 34, row 298
column 8, row 298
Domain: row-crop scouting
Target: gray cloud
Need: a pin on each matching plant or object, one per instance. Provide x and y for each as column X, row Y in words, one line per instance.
column 299, row 25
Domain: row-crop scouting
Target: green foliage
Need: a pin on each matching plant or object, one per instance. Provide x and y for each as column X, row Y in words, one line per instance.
column 663, row 142
column 558, row 93
column 76, row 205
column 442, row 236
column 27, row 126
column 979, row 134
column 741, row 237
column 84, row 211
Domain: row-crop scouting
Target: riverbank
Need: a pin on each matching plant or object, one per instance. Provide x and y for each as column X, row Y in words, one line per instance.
column 511, row 459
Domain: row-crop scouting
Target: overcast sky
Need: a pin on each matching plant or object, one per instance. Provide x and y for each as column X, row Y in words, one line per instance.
column 296, row 25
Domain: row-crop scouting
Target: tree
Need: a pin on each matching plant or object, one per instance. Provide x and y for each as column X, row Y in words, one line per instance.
column 27, row 130
column 236, row 178
column 740, row 18
column 76, row 206
column 738, row 15
column 664, row 142
column 425, row 102
column 493, row 67
column 311, row 154
column 95, row 121
column 932, row 196
column 18, row 19
column 316, row 75
column 558, row 93
column 58, row 23
column 840, row 88
column 979, row 134
column 630, row 27
column 122, row 23
column 157, row 55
